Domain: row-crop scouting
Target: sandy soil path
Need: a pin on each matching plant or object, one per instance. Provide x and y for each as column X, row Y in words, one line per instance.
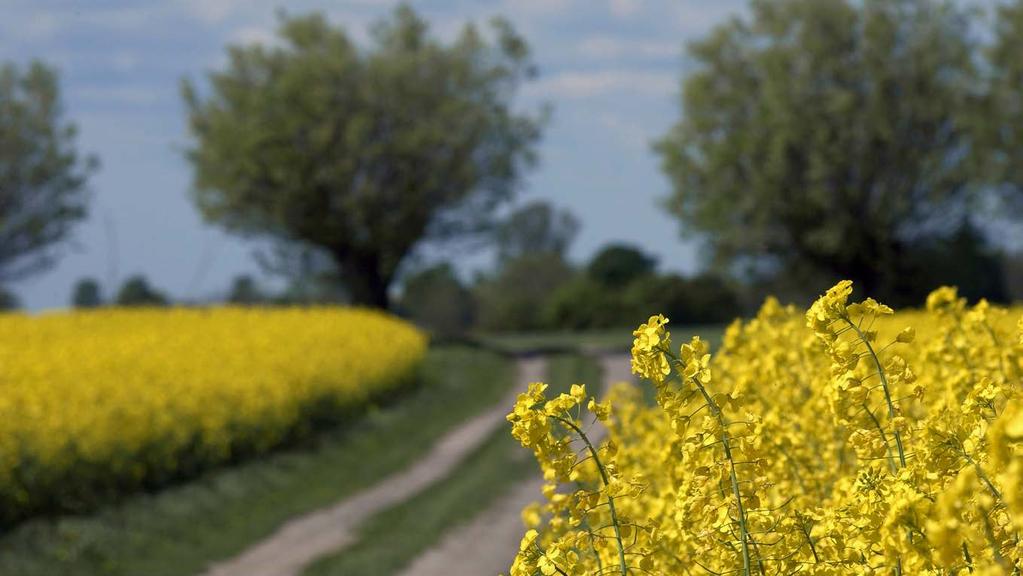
column 486, row 545
column 302, row 540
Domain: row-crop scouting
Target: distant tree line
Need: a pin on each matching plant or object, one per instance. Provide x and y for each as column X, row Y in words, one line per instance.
column 134, row 291
column 533, row 286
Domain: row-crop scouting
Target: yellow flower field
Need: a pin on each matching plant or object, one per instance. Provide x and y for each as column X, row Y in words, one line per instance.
column 844, row 440
column 99, row 402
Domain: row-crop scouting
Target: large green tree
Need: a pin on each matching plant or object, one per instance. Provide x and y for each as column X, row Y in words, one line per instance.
column 363, row 152
column 42, row 175
column 828, row 138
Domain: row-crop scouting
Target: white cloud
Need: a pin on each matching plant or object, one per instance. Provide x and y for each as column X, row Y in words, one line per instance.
column 46, row 24
column 255, row 35
column 211, row 11
column 599, row 83
column 698, row 17
column 536, row 7
column 610, row 47
column 622, row 8
column 629, row 133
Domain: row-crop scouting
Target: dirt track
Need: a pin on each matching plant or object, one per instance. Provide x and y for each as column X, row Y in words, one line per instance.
column 486, row 545
column 304, row 539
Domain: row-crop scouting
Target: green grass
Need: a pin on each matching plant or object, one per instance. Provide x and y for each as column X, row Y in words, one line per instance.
column 181, row 529
column 393, row 538
column 604, row 339
column 563, row 370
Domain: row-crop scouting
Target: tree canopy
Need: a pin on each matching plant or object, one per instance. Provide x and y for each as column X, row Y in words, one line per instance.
column 828, row 139
column 363, row 152
column 436, row 299
column 245, row 291
column 42, row 175
column 137, row 291
column 616, row 265
column 87, row 294
column 1002, row 125
column 537, row 227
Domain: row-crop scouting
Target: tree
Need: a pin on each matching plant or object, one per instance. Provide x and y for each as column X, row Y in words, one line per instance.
column 436, row 299
column 364, row 153
column 1002, row 126
column 585, row 303
column 136, row 291
column 531, row 267
column 8, row 300
column 42, row 176
column 310, row 273
column 536, row 228
column 244, row 291
column 87, row 294
column 826, row 138
column 702, row 299
column 966, row 260
column 619, row 264
column 515, row 297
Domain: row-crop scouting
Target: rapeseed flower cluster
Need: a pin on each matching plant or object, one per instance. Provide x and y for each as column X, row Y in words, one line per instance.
column 102, row 402
column 846, row 439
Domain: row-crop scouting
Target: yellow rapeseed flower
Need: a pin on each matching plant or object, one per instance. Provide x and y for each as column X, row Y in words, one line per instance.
column 845, row 440
column 113, row 398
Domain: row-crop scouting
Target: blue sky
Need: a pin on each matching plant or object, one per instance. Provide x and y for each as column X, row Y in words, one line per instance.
column 610, row 68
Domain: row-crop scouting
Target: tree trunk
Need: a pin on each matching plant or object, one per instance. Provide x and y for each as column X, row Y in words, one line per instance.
column 363, row 280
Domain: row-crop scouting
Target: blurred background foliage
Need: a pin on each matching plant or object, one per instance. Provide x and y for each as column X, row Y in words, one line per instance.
column 862, row 140
column 879, row 141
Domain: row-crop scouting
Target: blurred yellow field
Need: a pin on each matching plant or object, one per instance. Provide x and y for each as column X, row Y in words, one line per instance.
column 110, row 400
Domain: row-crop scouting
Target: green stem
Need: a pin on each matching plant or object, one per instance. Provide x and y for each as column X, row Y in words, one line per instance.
column 726, row 443
column 891, row 411
column 983, row 476
column 732, row 473
column 809, row 539
column 605, row 479
column 884, row 437
column 992, row 541
column 884, row 386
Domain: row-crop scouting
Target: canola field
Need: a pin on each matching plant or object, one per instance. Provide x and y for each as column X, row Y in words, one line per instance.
column 846, row 439
column 94, row 404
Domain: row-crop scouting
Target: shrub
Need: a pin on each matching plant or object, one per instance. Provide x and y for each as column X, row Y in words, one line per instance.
column 514, row 299
column 435, row 299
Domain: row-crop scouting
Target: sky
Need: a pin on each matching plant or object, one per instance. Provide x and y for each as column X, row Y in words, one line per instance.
column 611, row 69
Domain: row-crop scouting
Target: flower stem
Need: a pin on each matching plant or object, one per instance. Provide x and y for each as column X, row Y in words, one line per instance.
column 884, row 386
column 605, row 479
